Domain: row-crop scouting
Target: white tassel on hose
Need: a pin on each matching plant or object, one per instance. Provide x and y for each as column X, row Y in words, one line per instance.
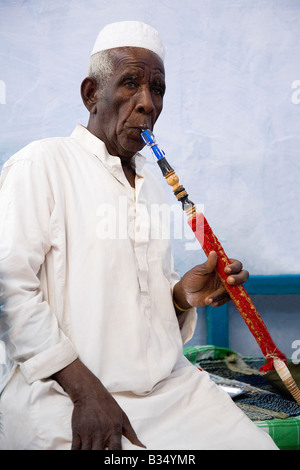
column 286, row 377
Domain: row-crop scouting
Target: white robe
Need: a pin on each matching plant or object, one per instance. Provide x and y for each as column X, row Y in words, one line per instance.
column 87, row 272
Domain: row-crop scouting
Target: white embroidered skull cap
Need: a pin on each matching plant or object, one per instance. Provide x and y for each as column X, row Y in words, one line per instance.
column 129, row 33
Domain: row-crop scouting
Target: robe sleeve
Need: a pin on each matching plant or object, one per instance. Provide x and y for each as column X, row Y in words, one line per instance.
column 188, row 328
column 28, row 327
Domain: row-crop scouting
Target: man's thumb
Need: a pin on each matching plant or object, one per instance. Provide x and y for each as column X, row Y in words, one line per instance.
column 211, row 262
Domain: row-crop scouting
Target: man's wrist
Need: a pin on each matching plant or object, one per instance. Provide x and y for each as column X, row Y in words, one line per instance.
column 76, row 379
column 181, row 310
column 179, row 298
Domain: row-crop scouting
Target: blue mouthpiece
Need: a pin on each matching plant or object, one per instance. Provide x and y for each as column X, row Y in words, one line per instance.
column 149, row 140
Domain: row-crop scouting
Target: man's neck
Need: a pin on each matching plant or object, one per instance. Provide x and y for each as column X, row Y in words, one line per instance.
column 129, row 172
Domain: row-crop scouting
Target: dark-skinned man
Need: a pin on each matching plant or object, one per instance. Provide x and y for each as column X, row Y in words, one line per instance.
column 94, row 316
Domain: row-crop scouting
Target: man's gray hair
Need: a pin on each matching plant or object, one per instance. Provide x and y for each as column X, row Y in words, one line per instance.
column 101, row 68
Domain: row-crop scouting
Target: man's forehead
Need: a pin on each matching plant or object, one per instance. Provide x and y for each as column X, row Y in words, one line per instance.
column 136, row 59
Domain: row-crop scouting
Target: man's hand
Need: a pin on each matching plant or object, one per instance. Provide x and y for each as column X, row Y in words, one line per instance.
column 201, row 285
column 98, row 422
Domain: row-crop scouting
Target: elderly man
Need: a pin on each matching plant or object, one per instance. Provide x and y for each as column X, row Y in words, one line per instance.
column 94, row 317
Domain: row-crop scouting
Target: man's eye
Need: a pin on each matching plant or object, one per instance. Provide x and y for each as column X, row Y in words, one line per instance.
column 158, row 91
column 131, row 84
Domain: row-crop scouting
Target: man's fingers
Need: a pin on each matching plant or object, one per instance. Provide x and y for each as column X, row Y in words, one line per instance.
column 130, row 434
column 237, row 279
column 86, row 443
column 234, row 266
column 219, row 297
column 114, row 443
column 76, row 443
column 236, row 273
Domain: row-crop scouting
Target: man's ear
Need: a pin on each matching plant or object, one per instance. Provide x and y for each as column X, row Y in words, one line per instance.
column 89, row 94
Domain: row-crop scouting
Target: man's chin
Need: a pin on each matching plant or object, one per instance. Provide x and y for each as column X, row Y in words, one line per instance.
column 130, row 146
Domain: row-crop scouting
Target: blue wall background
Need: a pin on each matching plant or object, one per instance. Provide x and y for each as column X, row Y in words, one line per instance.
column 231, row 120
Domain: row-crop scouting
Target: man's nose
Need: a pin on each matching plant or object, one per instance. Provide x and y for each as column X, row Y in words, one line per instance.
column 144, row 103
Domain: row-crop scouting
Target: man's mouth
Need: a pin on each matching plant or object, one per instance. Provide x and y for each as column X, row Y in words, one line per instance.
column 135, row 131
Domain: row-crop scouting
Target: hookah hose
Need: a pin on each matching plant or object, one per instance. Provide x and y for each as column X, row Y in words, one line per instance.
column 209, row 242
